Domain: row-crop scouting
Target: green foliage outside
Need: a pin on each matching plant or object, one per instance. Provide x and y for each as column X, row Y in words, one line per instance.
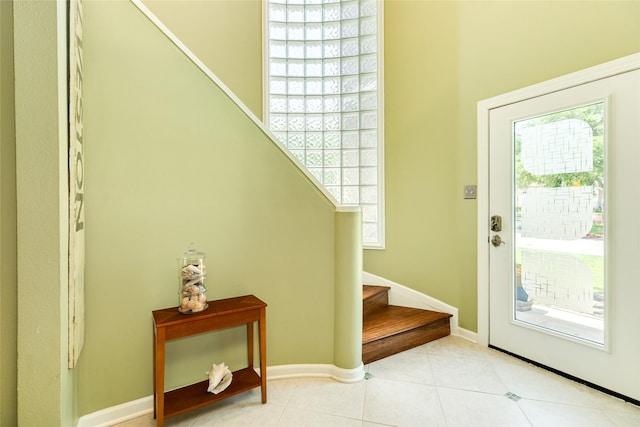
column 592, row 114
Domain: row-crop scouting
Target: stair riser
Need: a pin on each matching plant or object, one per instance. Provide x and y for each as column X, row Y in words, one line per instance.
column 375, row 302
column 391, row 345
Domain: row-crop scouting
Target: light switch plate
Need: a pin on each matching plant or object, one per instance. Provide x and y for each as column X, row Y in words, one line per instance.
column 470, row 191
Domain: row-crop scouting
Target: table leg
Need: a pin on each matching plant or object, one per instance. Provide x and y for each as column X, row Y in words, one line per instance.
column 262, row 324
column 250, row 343
column 155, row 345
column 158, row 380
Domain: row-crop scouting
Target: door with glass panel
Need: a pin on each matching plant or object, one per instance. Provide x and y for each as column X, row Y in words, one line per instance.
column 564, row 235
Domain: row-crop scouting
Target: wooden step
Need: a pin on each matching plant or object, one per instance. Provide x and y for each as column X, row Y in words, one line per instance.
column 389, row 329
column 394, row 329
column 374, row 298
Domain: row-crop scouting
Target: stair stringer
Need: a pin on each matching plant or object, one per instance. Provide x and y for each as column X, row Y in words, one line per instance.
column 406, row 297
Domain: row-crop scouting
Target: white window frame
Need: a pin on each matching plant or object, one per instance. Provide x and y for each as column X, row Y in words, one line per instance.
column 380, row 243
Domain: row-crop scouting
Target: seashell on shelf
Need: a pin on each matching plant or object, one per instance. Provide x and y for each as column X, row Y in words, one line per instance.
column 219, row 378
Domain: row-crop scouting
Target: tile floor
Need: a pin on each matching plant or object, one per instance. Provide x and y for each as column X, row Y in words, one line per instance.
column 449, row 382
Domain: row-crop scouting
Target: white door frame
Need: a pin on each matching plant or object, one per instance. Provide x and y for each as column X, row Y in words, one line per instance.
column 625, row 64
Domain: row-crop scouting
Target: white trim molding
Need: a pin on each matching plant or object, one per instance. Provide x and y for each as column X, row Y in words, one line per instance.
column 141, row 407
column 348, row 208
column 193, row 58
column 406, row 297
column 398, row 295
column 484, row 107
column 118, row 414
column 318, row 371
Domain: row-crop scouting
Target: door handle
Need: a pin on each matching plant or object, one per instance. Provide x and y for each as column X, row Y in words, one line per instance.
column 497, row 241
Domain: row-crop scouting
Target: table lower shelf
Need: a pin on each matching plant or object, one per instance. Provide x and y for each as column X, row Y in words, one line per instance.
column 196, row 395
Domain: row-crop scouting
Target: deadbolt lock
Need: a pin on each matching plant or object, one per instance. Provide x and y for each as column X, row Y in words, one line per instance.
column 496, row 223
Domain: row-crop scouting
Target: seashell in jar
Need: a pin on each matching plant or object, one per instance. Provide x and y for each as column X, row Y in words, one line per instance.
column 198, row 306
column 193, row 282
column 191, row 271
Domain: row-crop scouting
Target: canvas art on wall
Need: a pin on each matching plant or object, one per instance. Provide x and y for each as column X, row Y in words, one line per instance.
column 76, row 186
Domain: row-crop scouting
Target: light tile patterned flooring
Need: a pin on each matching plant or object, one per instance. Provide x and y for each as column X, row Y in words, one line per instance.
column 449, row 382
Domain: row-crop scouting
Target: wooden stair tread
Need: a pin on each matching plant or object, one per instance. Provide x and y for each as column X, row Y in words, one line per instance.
column 389, row 329
column 369, row 291
column 392, row 320
column 373, row 299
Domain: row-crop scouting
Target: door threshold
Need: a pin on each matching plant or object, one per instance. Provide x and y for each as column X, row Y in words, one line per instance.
column 570, row 377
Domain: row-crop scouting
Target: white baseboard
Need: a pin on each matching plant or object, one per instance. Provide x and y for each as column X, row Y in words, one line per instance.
column 398, row 295
column 406, row 297
column 118, row 414
column 467, row 334
column 138, row 408
column 325, row 371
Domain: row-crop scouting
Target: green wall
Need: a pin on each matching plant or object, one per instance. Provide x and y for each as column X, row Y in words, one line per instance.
column 348, row 298
column 226, row 35
column 441, row 58
column 147, row 161
column 46, row 387
column 170, row 160
column 8, row 269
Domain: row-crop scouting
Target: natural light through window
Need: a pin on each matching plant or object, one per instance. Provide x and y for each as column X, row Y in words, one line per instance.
column 323, row 97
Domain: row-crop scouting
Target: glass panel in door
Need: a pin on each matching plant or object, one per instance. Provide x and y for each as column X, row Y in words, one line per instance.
column 545, row 167
column 559, row 236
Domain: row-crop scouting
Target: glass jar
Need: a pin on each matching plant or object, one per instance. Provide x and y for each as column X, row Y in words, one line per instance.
column 191, row 275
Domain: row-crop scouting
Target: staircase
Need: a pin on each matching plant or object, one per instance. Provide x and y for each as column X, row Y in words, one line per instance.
column 389, row 329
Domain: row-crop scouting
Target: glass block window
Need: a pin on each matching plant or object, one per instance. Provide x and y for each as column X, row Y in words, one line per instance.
column 323, row 97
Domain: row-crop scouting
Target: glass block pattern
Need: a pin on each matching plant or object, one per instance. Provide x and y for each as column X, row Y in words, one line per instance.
column 563, row 213
column 559, row 169
column 323, row 96
column 562, row 146
column 558, row 280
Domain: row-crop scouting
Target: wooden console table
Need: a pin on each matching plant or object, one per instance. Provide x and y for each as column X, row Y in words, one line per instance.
column 169, row 324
